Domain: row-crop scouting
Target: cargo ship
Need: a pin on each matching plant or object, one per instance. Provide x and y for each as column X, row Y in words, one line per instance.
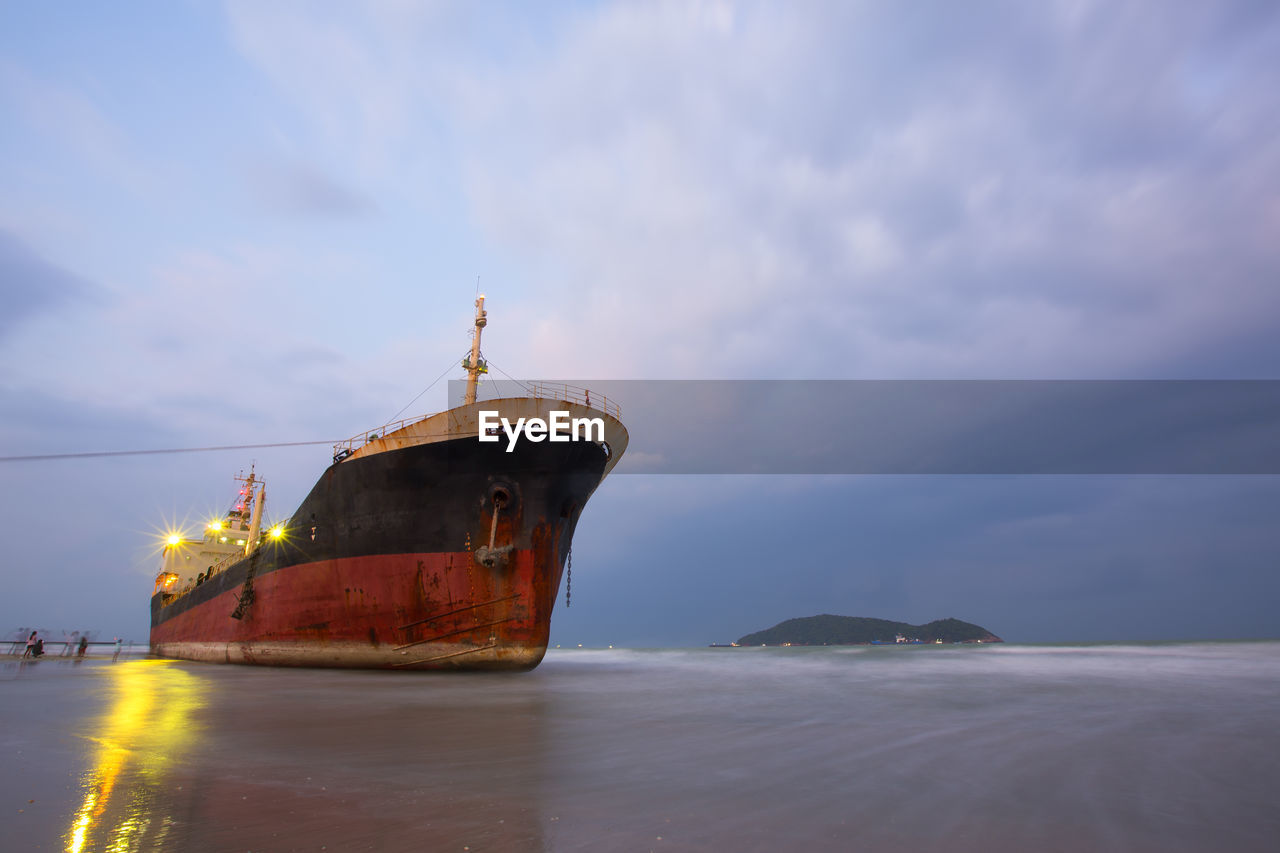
column 432, row 543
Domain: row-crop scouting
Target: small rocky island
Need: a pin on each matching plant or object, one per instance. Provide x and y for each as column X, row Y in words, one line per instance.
column 828, row 630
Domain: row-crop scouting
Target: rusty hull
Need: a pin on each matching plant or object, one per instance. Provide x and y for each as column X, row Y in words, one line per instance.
column 403, row 611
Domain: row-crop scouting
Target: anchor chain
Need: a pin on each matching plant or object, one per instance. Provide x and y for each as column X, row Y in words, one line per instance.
column 246, row 597
column 568, row 586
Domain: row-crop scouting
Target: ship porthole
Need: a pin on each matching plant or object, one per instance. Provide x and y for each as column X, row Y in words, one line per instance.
column 608, row 451
column 500, row 496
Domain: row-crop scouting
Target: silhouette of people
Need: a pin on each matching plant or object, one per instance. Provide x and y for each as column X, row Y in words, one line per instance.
column 83, row 647
column 31, row 646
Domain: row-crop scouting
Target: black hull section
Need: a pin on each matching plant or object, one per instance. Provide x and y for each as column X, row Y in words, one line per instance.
column 433, row 498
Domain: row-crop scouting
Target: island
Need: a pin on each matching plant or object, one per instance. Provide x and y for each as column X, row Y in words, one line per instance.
column 828, row 630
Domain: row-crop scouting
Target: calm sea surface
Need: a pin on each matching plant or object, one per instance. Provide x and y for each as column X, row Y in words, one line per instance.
column 1159, row 747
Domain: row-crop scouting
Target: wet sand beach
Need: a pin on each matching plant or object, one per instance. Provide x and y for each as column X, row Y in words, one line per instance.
column 1145, row 747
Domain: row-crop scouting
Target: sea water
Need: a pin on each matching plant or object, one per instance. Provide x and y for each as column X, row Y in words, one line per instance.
column 1002, row 747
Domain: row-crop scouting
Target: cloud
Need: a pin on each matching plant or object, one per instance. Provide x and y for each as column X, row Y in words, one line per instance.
column 39, row 422
column 945, row 193
column 69, row 119
column 292, row 188
column 1074, row 189
column 30, row 285
column 173, row 348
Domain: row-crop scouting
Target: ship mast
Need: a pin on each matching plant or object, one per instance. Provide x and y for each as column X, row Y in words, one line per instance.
column 474, row 365
column 251, row 501
column 255, row 526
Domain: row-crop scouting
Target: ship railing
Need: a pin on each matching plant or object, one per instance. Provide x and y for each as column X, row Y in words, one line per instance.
column 537, row 390
column 343, row 449
column 574, row 394
column 225, row 563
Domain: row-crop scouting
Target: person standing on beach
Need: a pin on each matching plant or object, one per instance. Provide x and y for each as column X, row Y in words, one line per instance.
column 84, row 645
column 31, row 646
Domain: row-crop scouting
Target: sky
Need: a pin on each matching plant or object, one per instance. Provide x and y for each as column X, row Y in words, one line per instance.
column 252, row 223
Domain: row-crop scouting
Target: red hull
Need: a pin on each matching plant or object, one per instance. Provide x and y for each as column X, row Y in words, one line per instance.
column 399, row 611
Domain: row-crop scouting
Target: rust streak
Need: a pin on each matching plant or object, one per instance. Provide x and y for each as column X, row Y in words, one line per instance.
column 436, row 616
column 448, row 655
column 452, row 633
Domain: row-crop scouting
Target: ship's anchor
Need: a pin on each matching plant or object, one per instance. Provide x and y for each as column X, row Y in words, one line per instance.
column 487, row 555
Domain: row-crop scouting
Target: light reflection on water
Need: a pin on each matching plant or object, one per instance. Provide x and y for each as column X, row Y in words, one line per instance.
column 143, row 731
column 1167, row 747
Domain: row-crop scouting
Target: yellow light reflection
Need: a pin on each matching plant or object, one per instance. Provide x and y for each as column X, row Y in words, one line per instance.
column 145, row 729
